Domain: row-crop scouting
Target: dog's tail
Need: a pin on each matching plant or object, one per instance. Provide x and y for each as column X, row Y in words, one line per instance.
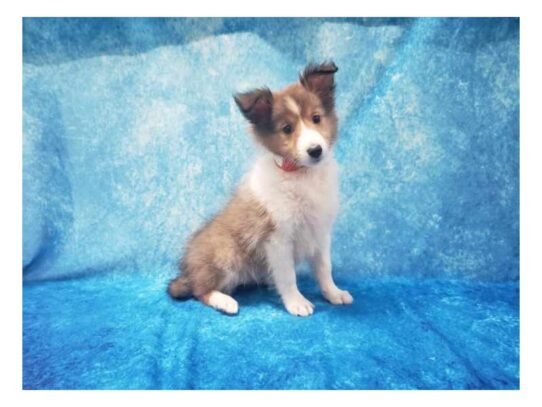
column 179, row 288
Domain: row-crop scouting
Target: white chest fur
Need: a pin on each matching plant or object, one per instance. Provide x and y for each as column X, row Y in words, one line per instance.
column 302, row 204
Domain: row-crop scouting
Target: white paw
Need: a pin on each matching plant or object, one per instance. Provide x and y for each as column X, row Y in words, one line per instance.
column 223, row 302
column 338, row 297
column 299, row 305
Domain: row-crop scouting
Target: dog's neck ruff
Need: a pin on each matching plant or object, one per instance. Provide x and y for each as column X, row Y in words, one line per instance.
column 286, row 165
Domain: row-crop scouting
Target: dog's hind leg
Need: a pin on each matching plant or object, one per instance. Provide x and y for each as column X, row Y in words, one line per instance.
column 220, row 301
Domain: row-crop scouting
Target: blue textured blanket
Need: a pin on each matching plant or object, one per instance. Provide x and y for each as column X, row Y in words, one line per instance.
column 132, row 139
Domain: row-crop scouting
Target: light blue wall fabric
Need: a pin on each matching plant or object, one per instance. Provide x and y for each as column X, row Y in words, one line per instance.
column 131, row 139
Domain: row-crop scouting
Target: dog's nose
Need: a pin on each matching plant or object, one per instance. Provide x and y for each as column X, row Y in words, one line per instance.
column 315, row 151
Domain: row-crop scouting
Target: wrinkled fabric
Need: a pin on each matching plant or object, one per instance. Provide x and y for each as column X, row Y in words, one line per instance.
column 131, row 140
column 125, row 333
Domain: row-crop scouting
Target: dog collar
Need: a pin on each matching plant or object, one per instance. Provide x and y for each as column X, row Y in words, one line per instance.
column 286, row 165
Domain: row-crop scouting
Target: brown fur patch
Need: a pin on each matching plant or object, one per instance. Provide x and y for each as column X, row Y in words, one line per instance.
column 228, row 249
column 179, row 288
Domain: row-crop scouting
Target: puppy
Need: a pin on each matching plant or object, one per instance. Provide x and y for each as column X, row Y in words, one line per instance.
column 282, row 211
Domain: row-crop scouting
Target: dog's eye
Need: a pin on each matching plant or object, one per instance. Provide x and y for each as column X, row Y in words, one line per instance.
column 287, row 129
column 316, row 118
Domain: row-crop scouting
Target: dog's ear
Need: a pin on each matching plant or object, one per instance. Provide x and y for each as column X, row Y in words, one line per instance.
column 320, row 80
column 256, row 105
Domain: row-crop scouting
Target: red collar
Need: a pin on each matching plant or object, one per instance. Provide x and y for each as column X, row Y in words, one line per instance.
column 287, row 165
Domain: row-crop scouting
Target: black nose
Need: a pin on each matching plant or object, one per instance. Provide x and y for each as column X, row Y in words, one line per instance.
column 315, row 151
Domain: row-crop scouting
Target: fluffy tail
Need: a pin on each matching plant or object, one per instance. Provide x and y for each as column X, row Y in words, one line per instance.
column 179, row 288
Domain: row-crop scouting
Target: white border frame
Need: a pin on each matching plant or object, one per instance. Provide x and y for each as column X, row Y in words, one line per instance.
column 530, row 194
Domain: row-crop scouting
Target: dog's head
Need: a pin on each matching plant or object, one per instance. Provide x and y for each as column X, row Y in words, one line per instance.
column 299, row 122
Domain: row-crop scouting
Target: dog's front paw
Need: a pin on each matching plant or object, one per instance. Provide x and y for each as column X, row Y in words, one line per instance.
column 338, row 297
column 299, row 305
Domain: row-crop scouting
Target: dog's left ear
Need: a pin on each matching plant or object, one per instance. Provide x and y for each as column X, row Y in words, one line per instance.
column 320, row 80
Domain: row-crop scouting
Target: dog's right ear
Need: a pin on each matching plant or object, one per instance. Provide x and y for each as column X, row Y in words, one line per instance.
column 256, row 105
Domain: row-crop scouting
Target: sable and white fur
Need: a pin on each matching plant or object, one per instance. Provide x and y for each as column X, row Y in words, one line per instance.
column 282, row 211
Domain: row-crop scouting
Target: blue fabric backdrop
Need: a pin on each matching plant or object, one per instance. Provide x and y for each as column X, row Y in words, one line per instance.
column 131, row 139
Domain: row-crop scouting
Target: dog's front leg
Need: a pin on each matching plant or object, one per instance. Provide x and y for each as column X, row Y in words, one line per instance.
column 280, row 258
column 321, row 265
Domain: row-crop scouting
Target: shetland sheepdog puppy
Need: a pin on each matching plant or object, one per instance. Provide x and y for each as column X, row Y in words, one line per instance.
column 282, row 211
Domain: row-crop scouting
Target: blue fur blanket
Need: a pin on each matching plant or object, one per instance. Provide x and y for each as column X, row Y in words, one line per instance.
column 132, row 139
